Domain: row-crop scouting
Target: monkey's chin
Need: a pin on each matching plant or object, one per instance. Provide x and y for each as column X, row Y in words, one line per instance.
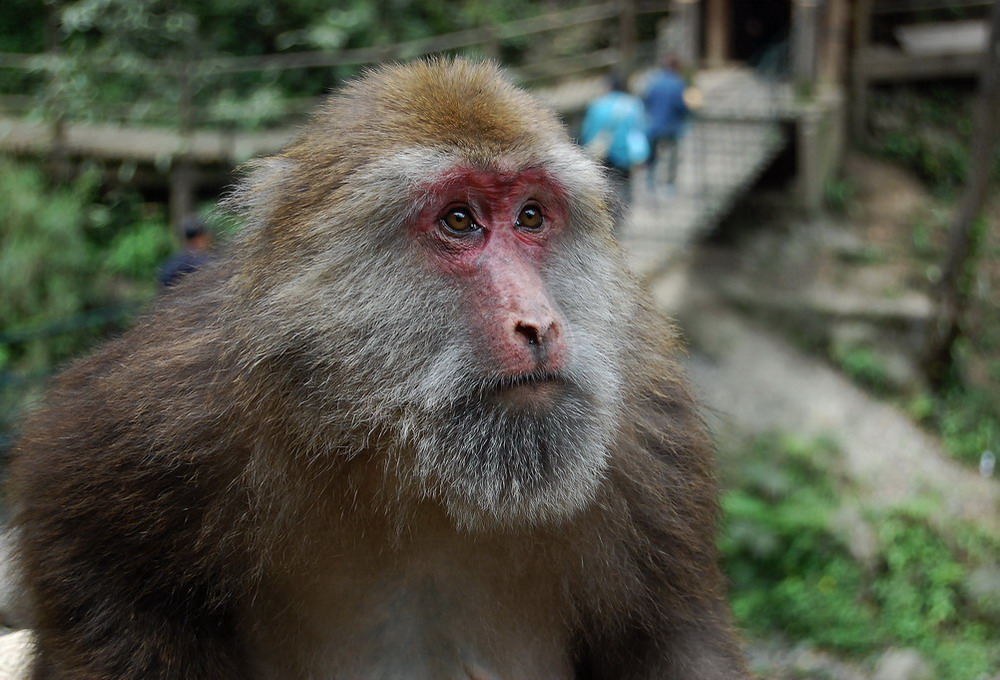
column 495, row 464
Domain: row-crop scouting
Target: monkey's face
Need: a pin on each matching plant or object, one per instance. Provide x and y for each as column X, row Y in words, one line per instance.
column 457, row 295
column 517, row 420
column 490, row 235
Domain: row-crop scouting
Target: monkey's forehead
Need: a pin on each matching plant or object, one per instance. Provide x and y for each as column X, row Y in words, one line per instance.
column 459, row 105
column 456, row 100
column 418, row 170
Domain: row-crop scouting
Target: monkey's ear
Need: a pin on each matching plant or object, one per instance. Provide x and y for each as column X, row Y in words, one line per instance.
column 256, row 193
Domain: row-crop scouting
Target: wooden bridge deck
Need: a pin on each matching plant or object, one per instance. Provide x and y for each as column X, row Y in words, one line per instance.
column 728, row 144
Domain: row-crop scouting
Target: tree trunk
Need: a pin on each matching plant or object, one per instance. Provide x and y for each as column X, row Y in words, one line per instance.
column 953, row 289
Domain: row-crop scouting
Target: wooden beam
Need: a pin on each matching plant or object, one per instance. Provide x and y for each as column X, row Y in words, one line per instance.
column 684, row 26
column 627, row 34
column 859, row 73
column 835, row 46
column 717, row 39
column 884, row 63
column 805, row 44
column 907, row 6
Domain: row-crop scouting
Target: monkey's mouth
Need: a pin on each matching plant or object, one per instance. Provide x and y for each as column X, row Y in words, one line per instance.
column 530, row 389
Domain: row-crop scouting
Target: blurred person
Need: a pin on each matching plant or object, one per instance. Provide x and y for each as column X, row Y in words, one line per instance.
column 667, row 110
column 196, row 253
column 614, row 133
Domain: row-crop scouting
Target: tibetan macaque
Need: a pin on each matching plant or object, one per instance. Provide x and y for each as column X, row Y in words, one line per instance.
column 420, row 422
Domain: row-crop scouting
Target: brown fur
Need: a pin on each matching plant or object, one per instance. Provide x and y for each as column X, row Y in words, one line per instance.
column 190, row 505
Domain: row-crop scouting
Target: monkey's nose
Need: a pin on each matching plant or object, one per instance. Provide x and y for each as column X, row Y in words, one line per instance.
column 537, row 333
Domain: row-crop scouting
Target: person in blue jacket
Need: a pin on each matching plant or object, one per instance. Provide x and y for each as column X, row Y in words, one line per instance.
column 667, row 113
column 197, row 253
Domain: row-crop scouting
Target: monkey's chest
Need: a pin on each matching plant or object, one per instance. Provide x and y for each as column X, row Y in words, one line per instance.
column 437, row 620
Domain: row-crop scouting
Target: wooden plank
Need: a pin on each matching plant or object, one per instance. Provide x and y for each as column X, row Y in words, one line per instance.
column 859, row 76
column 834, row 49
column 907, row 6
column 943, row 37
column 718, row 14
column 113, row 142
column 885, row 63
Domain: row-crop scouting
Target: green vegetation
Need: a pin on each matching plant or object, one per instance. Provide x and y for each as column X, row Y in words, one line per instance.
column 839, row 194
column 965, row 413
column 800, row 570
column 74, row 263
column 928, row 130
column 863, row 364
column 144, row 61
column 966, row 418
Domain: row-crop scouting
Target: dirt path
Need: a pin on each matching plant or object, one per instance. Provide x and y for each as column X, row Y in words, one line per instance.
column 752, row 381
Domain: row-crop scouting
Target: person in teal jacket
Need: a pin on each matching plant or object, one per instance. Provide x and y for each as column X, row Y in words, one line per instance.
column 614, row 133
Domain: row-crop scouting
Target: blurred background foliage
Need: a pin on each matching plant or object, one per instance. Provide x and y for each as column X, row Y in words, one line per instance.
column 77, row 260
column 132, row 59
column 927, row 129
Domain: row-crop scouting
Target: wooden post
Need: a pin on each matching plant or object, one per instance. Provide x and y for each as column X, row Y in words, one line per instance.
column 627, row 37
column 59, row 165
column 834, row 48
column 859, row 76
column 683, row 33
column 952, row 298
column 183, row 182
column 810, row 161
column 805, row 27
column 183, row 172
column 491, row 46
column 718, row 18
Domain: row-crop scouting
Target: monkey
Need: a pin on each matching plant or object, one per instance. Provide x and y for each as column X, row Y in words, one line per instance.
column 420, row 421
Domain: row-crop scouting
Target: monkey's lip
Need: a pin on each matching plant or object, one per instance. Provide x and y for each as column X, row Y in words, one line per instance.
column 530, row 388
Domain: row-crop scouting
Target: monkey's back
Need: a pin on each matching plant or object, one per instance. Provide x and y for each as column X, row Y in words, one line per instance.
column 115, row 485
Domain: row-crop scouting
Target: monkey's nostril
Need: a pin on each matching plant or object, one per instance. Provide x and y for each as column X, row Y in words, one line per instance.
column 529, row 332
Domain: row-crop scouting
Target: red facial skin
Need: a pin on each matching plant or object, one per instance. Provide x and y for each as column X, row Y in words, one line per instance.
column 498, row 261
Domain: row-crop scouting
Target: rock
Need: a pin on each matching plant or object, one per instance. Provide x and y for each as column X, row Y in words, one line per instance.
column 773, row 659
column 860, row 536
column 15, row 649
column 810, row 663
column 903, row 664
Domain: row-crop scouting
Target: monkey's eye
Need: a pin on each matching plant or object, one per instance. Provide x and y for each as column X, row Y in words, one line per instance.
column 459, row 221
column 530, row 217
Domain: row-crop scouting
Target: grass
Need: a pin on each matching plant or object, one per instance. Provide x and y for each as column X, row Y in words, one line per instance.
column 795, row 573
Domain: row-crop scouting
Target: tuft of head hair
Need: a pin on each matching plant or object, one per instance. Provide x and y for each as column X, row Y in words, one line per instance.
column 436, row 102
